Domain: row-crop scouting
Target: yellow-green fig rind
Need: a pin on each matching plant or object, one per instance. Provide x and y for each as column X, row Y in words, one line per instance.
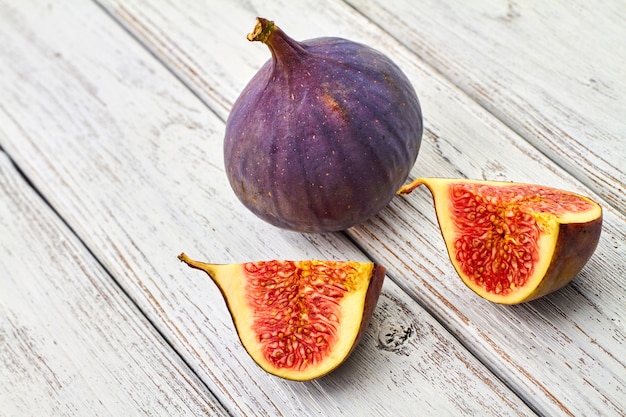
column 260, row 310
column 565, row 243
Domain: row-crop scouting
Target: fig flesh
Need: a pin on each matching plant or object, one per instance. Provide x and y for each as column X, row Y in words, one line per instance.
column 510, row 242
column 298, row 320
column 323, row 135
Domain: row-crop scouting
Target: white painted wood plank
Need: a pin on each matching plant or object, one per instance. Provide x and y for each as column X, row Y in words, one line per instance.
column 132, row 161
column 563, row 97
column 554, row 72
column 72, row 343
column 575, row 335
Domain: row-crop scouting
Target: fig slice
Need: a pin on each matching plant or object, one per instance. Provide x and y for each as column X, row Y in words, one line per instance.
column 510, row 242
column 298, row 320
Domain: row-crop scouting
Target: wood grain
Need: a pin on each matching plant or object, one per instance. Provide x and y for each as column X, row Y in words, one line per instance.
column 131, row 160
column 72, row 343
column 553, row 73
column 577, row 333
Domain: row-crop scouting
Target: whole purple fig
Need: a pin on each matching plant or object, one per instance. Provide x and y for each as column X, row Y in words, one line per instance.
column 323, row 135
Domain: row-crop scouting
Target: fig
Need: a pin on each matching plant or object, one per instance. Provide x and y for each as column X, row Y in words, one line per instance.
column 298, row 320
column 510, row 242
column 323, row 135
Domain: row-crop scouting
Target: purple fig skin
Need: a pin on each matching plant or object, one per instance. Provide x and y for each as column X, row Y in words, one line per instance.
column 323, row 135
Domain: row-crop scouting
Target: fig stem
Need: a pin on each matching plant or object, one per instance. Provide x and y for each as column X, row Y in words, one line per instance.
column 408, row 188
column 196, row 264
column 285, row 50
column 262, row 30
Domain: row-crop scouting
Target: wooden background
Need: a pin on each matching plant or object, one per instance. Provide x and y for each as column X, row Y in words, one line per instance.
column 111, row 124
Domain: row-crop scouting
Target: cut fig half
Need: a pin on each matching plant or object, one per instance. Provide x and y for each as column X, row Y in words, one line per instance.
column 510, row 242
column 298, row 320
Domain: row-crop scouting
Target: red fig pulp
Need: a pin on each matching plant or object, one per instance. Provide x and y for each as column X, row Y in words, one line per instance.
column 512, row 242
column 323, row 135
column 298, row 319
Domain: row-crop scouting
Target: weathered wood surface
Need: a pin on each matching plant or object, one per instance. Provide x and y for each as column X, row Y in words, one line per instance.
column 124, row 153
column 553, row 72
column 406, row 238
column 130, row 159
column 72, row 343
